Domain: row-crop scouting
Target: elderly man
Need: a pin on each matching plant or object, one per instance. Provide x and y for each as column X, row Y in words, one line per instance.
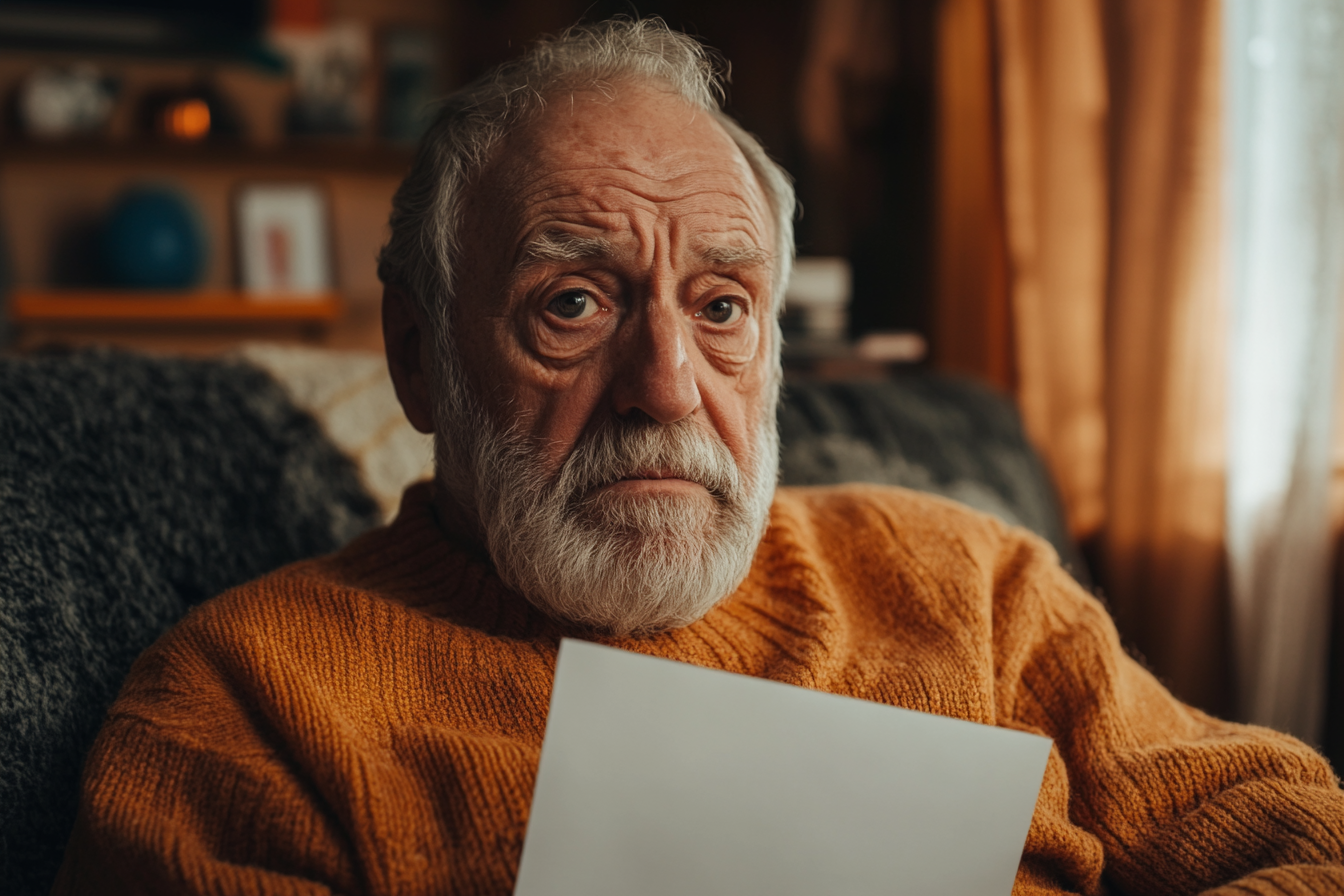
column 581, row 289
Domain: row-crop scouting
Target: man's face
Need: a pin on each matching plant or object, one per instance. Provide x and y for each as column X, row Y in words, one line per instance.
column 610, row 419
column 622, row 265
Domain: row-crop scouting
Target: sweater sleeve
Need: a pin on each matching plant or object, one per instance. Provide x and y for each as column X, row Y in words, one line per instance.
column 176, row 805
column 1179, row 801
column 247, row 753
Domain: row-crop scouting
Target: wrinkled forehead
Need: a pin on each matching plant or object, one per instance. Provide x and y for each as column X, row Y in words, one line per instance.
column 640, row 139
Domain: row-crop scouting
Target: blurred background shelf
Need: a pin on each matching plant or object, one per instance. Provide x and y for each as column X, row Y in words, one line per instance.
column 198, row 322
column 309, row 156
column 29, row 306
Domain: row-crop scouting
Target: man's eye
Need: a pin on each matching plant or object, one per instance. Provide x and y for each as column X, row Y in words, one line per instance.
column 573, row 305
column 721, row 311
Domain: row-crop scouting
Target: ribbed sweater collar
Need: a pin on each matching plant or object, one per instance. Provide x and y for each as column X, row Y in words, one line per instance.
column 414, row 562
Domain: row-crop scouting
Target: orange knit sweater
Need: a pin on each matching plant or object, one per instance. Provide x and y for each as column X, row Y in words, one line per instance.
column 370, row 722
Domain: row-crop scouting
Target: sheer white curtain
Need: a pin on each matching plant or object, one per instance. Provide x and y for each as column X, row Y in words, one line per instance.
column 1285, row 114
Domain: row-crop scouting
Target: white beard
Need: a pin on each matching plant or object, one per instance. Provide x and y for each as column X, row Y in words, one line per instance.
column 627, row 565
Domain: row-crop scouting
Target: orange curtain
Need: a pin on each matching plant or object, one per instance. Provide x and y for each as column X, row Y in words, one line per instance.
column 972, row 319
column 1106, row 122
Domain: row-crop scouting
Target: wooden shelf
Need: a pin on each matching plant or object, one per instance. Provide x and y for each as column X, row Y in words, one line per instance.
column 31, row 306
column 318, row 155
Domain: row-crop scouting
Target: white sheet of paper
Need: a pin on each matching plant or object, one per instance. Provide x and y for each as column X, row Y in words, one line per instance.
column 660, row 778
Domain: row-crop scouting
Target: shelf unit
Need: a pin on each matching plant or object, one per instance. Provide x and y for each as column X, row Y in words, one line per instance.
column 52, row 193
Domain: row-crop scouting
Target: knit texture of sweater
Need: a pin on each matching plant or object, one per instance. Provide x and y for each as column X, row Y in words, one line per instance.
column 371, row 722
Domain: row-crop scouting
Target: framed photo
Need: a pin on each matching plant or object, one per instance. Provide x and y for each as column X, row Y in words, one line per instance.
column 284, row 245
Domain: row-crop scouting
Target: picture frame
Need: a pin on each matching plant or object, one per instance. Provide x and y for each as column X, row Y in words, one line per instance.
column 283, row 241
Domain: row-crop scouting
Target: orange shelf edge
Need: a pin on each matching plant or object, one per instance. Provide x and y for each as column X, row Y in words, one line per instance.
column 30, row 306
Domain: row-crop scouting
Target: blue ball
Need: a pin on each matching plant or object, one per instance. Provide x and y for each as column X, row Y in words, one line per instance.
column 152, row 239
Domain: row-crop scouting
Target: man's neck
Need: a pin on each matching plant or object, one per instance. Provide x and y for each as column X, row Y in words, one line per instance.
column 456, row 522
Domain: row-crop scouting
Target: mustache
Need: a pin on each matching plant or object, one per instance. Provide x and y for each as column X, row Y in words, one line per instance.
column 636, row 445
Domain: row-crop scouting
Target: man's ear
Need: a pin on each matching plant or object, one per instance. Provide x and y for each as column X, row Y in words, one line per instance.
column 407, row 341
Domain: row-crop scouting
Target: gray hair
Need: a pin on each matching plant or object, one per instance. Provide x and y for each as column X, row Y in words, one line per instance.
column 426, row 222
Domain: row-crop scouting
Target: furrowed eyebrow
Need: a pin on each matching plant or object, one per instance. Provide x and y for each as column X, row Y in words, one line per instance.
column 734, row 255
column 559, row 246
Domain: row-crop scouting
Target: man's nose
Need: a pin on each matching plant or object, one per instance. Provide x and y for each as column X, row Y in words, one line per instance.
column 655, row 374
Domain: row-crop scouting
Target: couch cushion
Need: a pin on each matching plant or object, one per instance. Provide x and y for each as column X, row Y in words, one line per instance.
column 929, row 432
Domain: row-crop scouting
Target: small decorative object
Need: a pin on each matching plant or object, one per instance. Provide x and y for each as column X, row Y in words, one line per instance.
column 188, row 116
column 65, row 101
column 819, row 291
column 283, row 245
column 330, row 67
column 152, row 238
column 410, row 64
